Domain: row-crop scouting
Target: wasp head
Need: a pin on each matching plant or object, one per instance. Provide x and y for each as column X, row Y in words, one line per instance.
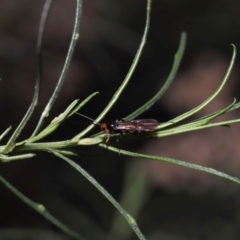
column 104, row 127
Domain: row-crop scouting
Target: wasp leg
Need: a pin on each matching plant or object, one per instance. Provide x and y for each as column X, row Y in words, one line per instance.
column 108, row 137
column 118, row 141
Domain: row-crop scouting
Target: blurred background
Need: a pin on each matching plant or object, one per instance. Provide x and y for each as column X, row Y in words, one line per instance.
column 168, row 202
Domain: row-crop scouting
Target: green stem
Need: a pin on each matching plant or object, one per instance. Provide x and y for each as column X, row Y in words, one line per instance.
column 106, row 194
column 41, row 209
column 176, row 162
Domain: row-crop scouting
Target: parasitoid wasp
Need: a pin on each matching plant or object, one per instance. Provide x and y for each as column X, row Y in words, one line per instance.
column 125, row 126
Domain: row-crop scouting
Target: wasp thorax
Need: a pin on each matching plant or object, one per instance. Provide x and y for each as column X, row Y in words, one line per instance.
column 114, row 125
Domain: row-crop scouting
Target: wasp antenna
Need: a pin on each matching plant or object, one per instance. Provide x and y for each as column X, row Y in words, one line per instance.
column 94, row 122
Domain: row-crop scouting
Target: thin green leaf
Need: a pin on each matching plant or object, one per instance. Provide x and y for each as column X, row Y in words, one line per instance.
column 183, row 128
column 177, row 60
column 5, row 158
column 57, row 121
column 127, row 216
column 89, row 141
column 54, row 124
column 17, row 132
column 207, row 101
column 216, row 113
column 234, row 107
column 83, row 103
column 204, row 120
column 66, row 153
column 128, row 76
column 176, row 162
column 198, row 124
column 5, row 132
column 135, row 186
column 42, row 210
column 75, row 37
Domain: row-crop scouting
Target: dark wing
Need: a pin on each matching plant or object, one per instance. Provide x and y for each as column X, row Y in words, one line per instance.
column 126, row 126
column 145, row 124
column 139, row 125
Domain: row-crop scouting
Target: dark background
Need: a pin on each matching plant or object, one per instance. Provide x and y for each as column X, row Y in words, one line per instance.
column 168, row 202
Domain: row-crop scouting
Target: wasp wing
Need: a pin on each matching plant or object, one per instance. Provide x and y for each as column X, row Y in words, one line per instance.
column 145, row 125
column 140, row 125
column 126, row 126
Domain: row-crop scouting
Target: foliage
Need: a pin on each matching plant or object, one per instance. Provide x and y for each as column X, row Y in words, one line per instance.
column 14, row 150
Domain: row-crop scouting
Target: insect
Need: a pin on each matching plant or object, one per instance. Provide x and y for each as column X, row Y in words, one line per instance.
column 125, row 126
